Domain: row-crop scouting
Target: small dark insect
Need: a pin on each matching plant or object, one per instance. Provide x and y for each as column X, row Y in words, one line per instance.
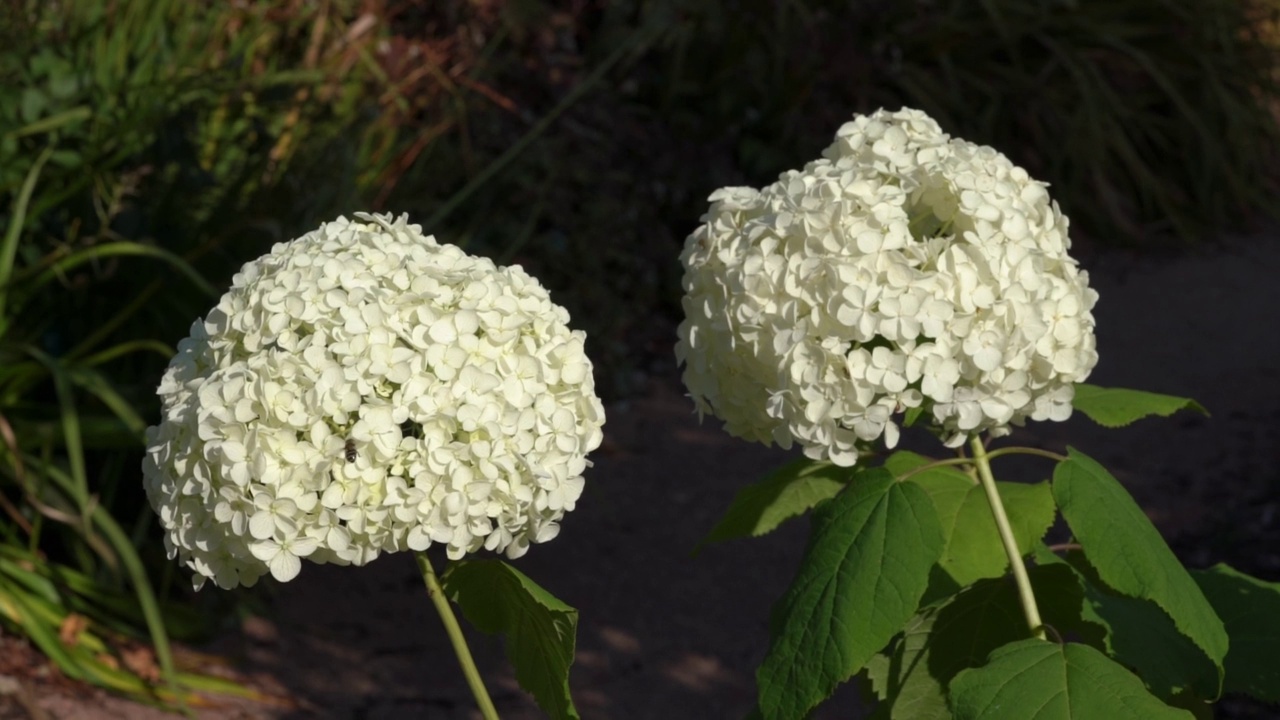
column 350, row 450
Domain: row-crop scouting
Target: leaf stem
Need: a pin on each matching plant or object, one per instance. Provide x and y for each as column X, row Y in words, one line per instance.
column 438, row 598
column 1006, row 536
column 1016, row 450
column 935, row 464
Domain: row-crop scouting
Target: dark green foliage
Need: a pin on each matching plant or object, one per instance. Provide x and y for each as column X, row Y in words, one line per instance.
column 133, row 145
column 539, row 630
column 1149, row 118
column 861, row 579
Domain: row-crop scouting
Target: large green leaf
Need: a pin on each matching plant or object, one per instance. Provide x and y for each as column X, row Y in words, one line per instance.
column 1143, row 637
column 1039, row 680
column 900, row 676
column 1250, row 609
column 947, row 486
column 974, row 550
column 540, row 630
column 941, row 641
column 861, row 579
column 787, row 492
column 1117, row 407
column 1128, row 553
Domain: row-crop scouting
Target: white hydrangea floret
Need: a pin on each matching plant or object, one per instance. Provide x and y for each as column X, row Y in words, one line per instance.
column 903, row 270
column 364, row 389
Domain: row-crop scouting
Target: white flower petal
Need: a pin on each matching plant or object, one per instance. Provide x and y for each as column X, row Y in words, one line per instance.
column 284, row 566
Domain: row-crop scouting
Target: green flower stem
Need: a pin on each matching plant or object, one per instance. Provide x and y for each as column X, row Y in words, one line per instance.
column 1006, row 536
column 436, row 592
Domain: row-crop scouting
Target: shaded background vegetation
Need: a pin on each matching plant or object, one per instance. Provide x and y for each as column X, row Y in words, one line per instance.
column 150, row 147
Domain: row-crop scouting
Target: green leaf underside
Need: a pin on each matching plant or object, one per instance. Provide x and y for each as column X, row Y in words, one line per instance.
column 860, row 581
column 1039, row 680
column 974, row 550
column 540, row 630
column 941, row 641
column 1143, row 637
column 1117, row 407
column 787, row 492
column 1128, row 553
column 1250, row 609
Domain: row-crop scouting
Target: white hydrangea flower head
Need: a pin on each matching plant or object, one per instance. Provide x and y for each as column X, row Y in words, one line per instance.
column 904, row 270
column 364, row 389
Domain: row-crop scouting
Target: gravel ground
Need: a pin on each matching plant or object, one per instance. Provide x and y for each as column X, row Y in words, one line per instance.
column 667, row 635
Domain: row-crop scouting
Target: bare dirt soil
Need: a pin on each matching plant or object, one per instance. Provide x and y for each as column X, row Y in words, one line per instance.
column 667, row 635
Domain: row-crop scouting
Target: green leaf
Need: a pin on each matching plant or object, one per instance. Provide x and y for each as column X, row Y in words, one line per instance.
column 1128, row 553
column 1117, row 407
column 1039, row 680
column 540, row 630
column 1144, row 638
column 974, row 550
column 63, row 86
column 941, row 641
column 1250, row 609
column 861, row 579
column 33, row 103
column 787, row 492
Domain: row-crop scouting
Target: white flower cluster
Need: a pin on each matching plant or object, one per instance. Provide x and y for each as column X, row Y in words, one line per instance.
column 363, row 389
column 905, row 269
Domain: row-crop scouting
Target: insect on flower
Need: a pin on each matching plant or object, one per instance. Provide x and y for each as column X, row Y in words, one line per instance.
column 349, row 450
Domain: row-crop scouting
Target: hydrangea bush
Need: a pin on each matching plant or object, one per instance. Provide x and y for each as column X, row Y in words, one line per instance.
column 364, row 389
column 910, row 277
column 904, row 270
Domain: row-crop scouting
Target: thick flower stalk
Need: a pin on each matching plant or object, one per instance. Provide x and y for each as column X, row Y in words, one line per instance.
column 906, row 269
column 364, row 389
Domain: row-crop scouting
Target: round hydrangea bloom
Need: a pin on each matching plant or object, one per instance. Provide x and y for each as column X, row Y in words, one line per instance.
column 906, row 269
column 364, row 389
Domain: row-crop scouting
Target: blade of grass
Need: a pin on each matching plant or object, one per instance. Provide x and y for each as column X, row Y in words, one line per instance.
column 9, row 246
column 34, row 582
column 99, row 387
column 124, row 248
column 126, row 348
column 138, row 578
column 53, row 122
column 70, row 422
column 16, row 606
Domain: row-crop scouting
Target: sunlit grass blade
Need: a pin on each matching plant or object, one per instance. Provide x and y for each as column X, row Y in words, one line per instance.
column 137, row 576
column 17, row 609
